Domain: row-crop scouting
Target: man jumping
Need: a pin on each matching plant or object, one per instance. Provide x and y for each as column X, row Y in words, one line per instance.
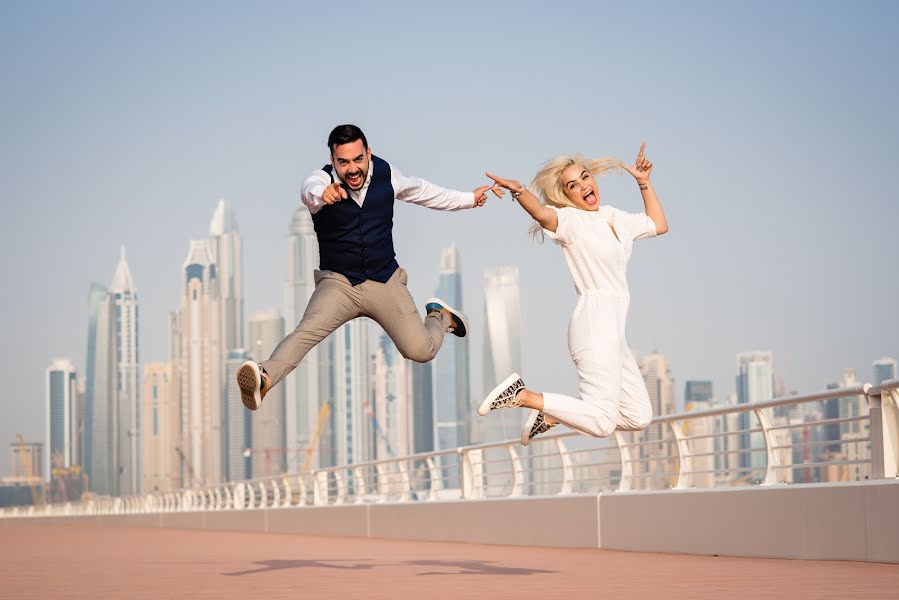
column 351, row 201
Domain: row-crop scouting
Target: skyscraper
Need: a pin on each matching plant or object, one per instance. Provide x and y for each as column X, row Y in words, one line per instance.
column 657, row 375
column 452, row 403
column 102, row 398
column 392, row 404
column 346, row 386
column 854, row 434
column 238, row 422
column 268, row 422
column 62, row 416
column 301, row 386
column 160, row 437
column 884, row 369
column 96, row 297
column 422, row 407
column 755, row 383
column 502, row 347
column 112, row 414
column 199, row 327
column 27, row 461
column 226, row 252
column 697, row 391
column 124, row 298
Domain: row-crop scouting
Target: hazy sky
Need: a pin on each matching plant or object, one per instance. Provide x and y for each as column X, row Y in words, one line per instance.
column 772, row 127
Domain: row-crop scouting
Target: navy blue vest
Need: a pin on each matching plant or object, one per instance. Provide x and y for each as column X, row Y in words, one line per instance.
column 357, row 241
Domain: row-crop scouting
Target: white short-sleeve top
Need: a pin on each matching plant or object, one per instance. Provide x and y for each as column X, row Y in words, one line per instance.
column 596, row 258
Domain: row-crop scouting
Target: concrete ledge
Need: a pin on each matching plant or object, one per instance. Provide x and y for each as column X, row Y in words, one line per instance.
column 563, row 521
column 347, row 520
column 851, row 521
column 147, row 520
column 235, row 520
column 190, row 520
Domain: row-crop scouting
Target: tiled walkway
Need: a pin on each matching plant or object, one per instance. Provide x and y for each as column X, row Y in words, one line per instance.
column 40, row 560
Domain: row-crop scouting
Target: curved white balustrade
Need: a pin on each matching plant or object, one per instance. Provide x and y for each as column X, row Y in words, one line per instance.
column 686, row 452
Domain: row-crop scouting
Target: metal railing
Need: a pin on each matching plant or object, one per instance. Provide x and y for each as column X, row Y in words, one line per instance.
column 848, row 434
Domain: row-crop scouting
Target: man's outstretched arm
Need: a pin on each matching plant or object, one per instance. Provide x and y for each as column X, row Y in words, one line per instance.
column 418, row 191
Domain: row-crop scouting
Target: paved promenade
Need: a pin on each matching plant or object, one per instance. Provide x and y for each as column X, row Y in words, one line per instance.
column 39, row 560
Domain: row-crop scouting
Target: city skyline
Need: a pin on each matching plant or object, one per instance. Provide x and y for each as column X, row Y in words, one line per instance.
column 264, row 436
column 152, row 135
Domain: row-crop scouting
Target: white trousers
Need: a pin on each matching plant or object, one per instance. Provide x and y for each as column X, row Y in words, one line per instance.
column 613, row 393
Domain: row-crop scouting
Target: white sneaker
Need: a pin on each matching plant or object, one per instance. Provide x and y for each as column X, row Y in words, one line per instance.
column 458, row 322
column 535, row 425
column 505, row 395
column 253, row 384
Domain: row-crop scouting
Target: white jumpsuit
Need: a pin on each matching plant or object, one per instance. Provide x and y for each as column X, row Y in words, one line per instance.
column 613, row 394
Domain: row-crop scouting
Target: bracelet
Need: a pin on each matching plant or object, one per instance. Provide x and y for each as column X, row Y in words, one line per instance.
column 515, row 195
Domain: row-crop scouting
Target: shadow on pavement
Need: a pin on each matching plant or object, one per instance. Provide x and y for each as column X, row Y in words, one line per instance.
column 444, row 567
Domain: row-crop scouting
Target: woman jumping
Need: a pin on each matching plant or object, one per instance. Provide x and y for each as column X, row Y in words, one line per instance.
column 597, row 241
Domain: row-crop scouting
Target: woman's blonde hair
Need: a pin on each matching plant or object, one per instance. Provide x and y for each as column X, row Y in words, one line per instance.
column 550, row 188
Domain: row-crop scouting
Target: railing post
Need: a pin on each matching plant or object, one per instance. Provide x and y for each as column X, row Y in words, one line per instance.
column 472, row 473
column 288, row 493
column 341, row 488
column 624, row 452
column 263, row 495
column 301, row 489
column 436, row 480
column 405, row 482
column 517, row 472
column 359, row 487
column 320, row 488
column 251, row 496
column 684, row 462
column 468, row 490
column 567, row 467
column 276, row 494
column 884, row 414
column 383, row 484
column 239, row 496
column 773, row 456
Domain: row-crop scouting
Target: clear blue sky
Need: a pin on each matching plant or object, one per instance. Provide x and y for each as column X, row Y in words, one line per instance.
column 772, row 127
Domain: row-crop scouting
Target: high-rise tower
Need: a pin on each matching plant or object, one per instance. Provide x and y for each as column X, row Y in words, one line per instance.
column 301, row 386
column 124, row 304
column 62, row 416
column 268, row 444
column 199, row 326
column 452, row 403
column 502, row 346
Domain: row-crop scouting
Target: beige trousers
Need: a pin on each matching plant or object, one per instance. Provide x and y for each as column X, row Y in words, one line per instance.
column 335, row 301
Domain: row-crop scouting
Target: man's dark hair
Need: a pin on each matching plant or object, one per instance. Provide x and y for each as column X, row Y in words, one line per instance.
column 345, row 134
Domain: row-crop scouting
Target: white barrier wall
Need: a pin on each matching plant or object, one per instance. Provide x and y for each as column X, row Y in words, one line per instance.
column 853, row 521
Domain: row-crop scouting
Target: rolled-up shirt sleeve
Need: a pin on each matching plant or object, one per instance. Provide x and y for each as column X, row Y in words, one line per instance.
column 313, row 187
column 638, row 225
column 563, row 233
column 418, row 191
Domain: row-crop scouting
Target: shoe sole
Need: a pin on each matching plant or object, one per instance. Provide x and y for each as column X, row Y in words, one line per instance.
column 484, row 408
column 248, row 382
column 526, row 431
column 457, row 331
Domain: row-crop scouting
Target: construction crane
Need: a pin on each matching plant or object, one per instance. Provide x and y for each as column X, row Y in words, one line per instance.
column 190, row 469
column 268, row 452
column 319, row 428
column 29, row 469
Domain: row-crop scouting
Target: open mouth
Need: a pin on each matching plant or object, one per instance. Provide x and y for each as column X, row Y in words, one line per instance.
column 589, row 198
column 354, row 180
